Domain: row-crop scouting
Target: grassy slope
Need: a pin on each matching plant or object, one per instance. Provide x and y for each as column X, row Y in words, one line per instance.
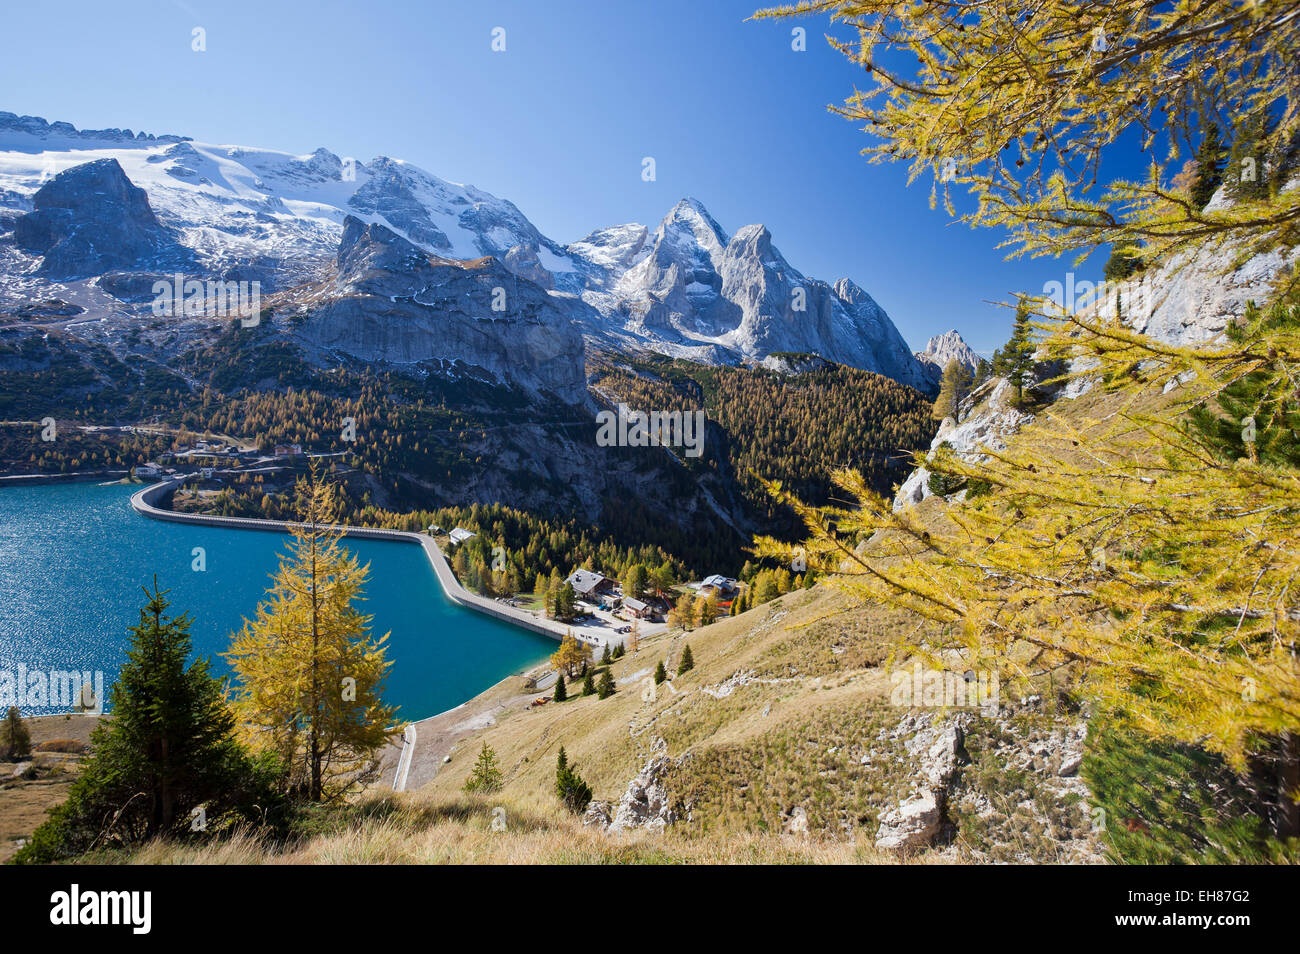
column 44, row 783
column 802, row 726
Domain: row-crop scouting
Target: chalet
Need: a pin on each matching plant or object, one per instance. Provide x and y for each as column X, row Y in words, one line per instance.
column 638, row 609
column 148, row 470
column 589, row 585
column 460, row 535
column 720, row 586
column 288, row 450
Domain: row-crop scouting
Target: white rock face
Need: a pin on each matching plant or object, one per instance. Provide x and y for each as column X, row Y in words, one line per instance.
column 911, row 825
column 943, row 349
column 989, row 422
column 646, row 803
column 1190, row 300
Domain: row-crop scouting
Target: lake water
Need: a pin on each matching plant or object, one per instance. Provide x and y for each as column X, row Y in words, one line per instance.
column 74, row 557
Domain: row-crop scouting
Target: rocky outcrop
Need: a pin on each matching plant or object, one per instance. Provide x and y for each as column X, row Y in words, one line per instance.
column 912, row 825
column 391, row 302
column 90, row 219
column 944, row 787
column 645, row 805
column 988, row 421
column 37, row 127
column 936, row 748
column 525, row 262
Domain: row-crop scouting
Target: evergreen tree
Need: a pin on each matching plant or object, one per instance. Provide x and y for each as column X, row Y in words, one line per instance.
column 486, row 774
column 565, row 602
column 1125, row 261
column 687, row 662
column 606, row 657
column 1253, row 421
column 635, row 581
column 605, row 688
column 1209, row 168
column 168, row 750
column 15, row 740
column 1015, row 360
column 569, row 786
column 1247, row 173
column 561, row 693
column 588, row 684
column 661, row 673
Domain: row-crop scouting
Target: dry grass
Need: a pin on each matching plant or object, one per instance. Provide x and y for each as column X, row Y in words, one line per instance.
column 58, row 744
column 408, row 832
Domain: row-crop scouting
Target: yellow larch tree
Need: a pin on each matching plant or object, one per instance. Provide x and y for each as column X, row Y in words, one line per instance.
column 310, row 676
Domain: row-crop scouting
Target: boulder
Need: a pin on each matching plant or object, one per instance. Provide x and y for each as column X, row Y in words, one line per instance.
column 911, row 825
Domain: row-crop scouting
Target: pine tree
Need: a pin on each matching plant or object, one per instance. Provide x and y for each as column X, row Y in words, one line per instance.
column 661, row 673
column 561, row 694
column 15, row 740
column 569, row 786
column 565, row 602
column 486, row 775
column 1015, row 360
column 1247, row 173
column 1254, row 422
column 310, row 676
column 687, row 662
column 605, row 657
column 605, row 688
column 168, row 750
column 588, row 683
column 1209, row 168
column 1125, row 261
column 635, row 581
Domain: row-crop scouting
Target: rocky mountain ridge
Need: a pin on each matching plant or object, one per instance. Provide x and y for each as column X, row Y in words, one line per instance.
column 685, row 288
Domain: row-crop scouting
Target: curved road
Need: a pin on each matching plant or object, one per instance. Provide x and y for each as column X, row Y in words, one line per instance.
column 143, row 503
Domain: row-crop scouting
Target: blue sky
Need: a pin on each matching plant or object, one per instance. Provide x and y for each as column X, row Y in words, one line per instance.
column 558, row 123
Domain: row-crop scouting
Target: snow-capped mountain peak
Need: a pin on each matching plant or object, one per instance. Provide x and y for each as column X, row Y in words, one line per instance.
column 684, row 287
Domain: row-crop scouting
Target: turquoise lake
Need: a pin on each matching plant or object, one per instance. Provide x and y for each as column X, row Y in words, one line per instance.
column 74, row 557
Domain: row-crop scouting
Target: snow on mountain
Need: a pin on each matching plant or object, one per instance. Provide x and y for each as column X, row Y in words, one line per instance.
column 684, row 288
column 280, row 213
column 690, row 290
